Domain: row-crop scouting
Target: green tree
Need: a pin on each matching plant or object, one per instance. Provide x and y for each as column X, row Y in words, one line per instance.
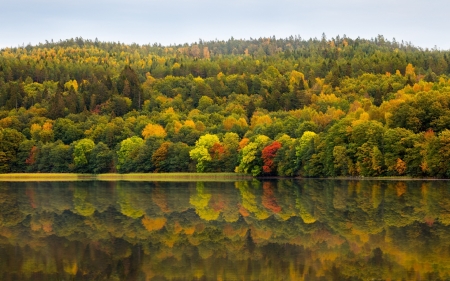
column 201, row 153
column 10, row 140
column 81, row 154
column 101, row 159
column 129, row 149
column 250, row 156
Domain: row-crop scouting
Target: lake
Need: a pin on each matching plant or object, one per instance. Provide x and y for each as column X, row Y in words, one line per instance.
column 243, row 230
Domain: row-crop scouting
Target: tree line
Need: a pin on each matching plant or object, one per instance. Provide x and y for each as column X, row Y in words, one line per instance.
column 266, row 107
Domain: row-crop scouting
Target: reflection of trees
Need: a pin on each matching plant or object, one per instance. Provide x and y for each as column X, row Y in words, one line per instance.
column 302, row 230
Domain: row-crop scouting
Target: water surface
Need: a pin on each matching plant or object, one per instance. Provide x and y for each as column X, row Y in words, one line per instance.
column 247, row 230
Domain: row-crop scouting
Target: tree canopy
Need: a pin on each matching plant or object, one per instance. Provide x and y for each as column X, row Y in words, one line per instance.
column 325, row 107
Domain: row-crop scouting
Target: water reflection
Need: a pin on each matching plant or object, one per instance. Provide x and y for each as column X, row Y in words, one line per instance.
column 272, row 230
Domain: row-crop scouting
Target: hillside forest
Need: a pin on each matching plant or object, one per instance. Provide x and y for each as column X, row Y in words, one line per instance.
column 265, row 107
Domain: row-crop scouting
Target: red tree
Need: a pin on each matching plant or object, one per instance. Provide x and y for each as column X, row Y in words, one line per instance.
column 268, row 154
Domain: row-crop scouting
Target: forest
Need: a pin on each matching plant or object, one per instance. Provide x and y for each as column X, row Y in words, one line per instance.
column 325, row 107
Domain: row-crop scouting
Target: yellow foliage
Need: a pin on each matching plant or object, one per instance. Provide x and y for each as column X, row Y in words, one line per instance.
column 199, row 80
column 71, row 268
column 335, row 114
column 152, row 224
column 47, row 126
column 6, row 122
column 169, row 111
column 154, row 130
column 322, row 119
column 364, row 117
column 400, row 166
column 189, row 123
column 71, row 83
column 260, row 120
column 177, row 126
column 161, row 60
column 220, row 75
column 164, row 100
column 150, row 79
column 207, row 213
column 307, row 217
column 243, row 143
column 305, row 114
column 410, row 70
column 35, row 128
column 193, row 113
column 229, row 122
column 295, row 78
column 189, row 230
column 417, row 88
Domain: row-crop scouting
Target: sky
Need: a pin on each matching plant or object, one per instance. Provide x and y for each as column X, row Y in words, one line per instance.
column 423, row 23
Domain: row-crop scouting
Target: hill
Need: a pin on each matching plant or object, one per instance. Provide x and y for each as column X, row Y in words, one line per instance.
column 267, row 106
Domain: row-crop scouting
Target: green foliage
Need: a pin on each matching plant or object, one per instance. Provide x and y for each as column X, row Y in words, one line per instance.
column 129, row 149
column 251, row 161
column 10, row 140
column 101, row 159
column 81, row 154
column 200, row 153
column 372, row 105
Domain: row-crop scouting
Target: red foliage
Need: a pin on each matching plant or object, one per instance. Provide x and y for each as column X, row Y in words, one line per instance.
column 268, row 154
column 268, row 199
column 217, row 151
column 32, row 156
column 217, row 203
column 31, row 195
column 429, row 134
column 243, row 211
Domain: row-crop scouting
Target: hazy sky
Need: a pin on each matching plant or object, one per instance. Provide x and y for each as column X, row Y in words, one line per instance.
column 423, row 23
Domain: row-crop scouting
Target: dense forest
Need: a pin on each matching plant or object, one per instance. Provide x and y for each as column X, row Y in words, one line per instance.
column 266, row 107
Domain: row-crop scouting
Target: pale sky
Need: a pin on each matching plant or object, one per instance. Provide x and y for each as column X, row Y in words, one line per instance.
column 423, row 23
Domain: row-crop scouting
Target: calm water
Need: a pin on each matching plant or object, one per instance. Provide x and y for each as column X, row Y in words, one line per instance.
column 272, row 230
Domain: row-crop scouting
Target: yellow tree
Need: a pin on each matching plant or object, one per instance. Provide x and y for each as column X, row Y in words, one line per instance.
column 154, row 130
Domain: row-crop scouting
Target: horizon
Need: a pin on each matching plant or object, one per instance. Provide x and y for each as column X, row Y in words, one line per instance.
column 296, row 37
column 178, row 21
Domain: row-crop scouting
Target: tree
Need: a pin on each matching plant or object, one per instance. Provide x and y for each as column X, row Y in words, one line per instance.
column 81, row 154
column 230, row 142
column 171, row 157
column 341, row 161
column 130, row 86
column 250, row 160
column 10, row 140
column 101, row 159
column 56, row 108
column 66, row 130
column 129, row 149
column 160, row 156
column 396, row 141
column 154, row 130
column 201, row 153
column 268, row 155
column 303, row 144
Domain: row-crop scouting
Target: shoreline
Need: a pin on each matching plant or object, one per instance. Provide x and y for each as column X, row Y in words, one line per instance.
column 27, row 177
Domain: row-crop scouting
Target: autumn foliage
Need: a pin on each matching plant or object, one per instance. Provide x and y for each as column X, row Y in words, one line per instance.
column 265, row 106
column 268, row 154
